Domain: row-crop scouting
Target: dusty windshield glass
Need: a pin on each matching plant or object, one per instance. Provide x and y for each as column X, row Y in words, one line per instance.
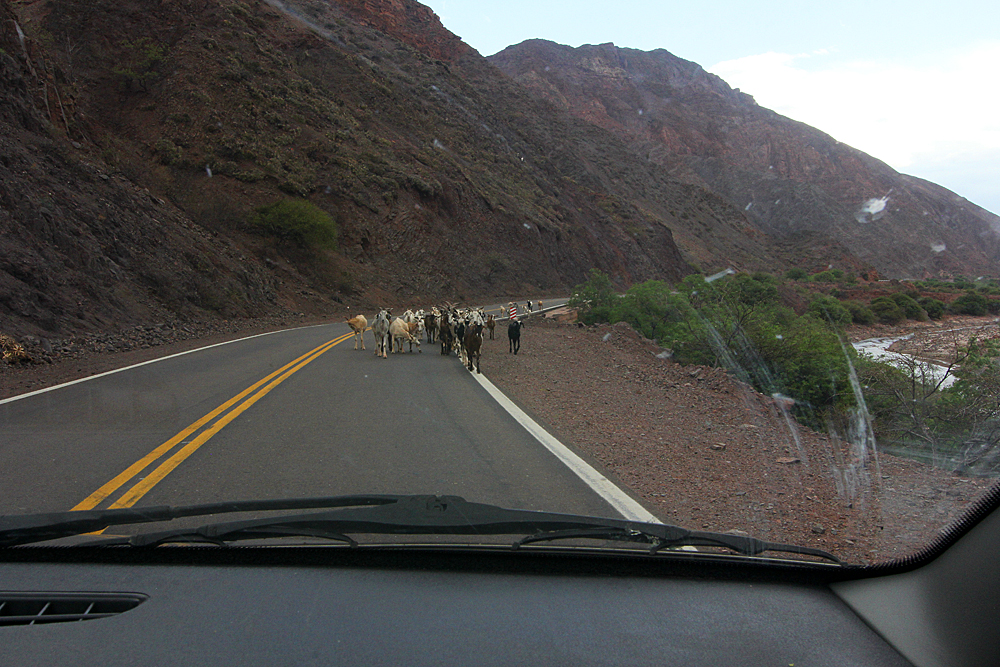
column 259, row 251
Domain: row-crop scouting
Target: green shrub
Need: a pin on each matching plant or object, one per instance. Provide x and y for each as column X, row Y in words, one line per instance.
column 933, row 307
column 167, row 152
column 831, row 276
column 910, row 307
column 298, row 222
column 140, row 63
column 737, row 323
column 796, row 274
column 860, row 313
column 764, row 277
column 887, row 311
column 594, row 298
column 970, row 303
column 828, row 309
column 809, row 365
column 650, row 307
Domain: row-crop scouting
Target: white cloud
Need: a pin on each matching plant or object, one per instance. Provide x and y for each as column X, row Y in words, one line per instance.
column 940, row 110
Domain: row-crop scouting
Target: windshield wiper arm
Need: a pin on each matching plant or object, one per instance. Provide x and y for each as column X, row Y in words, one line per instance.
column 452, row 515
column 380, row 514
column 404, row 515
column 25, row 529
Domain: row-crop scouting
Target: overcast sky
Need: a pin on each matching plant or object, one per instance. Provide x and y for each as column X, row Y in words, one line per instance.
column 915, row 84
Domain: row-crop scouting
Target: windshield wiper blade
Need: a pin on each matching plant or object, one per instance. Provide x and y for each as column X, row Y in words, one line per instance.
column 222, row 539
column 742, row 544
column 453, row 515
column 748, row 546
column 29, row 528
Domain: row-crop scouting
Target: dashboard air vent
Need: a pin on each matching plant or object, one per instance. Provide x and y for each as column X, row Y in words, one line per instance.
column 32, row 608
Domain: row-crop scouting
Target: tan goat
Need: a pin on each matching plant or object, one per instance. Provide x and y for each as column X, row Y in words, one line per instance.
column 358, row 324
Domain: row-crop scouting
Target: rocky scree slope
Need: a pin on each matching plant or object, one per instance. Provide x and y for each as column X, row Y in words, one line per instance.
column 83, row 248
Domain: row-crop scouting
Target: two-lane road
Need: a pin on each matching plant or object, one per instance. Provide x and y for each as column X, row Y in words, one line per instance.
column 289, row 414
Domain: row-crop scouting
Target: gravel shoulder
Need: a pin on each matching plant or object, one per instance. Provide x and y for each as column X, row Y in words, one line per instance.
column 700, row 449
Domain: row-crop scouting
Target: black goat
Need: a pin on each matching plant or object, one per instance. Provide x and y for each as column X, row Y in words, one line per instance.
column 474, row 345
column 514, row 335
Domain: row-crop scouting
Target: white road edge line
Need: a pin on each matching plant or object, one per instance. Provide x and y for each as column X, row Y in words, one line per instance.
column 604, row 487
column 145, row 363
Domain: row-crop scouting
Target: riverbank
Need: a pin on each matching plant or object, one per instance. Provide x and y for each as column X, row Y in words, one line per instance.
column 935, row 340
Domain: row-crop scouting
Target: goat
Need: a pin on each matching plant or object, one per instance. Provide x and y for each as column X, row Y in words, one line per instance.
column 431, row 320
column 514, row 335
column 491, row 324
column 358, row 324
column 380, row 328
column 445, row 333
column 416, row 330
column 460, row 327
column 398, row 332
column 474, row 345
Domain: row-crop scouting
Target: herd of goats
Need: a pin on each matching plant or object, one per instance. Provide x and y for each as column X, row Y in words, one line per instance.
column 458, row 329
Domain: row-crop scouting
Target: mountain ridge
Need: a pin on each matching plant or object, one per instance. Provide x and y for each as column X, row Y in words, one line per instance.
column 788, row 177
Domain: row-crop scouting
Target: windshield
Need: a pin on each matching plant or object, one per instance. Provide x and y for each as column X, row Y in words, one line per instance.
column 300, row 249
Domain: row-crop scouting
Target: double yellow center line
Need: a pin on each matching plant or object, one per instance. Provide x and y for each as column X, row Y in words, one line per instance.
column 241, row 401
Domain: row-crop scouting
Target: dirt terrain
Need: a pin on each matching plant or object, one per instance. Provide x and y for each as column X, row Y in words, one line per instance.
column 939, row 343
column 700, row 449
column 694, row 445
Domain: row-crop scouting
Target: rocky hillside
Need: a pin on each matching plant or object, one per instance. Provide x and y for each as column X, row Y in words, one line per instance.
column 794, row 182
column 139, row 136
column 446, row 179
column 83, row 247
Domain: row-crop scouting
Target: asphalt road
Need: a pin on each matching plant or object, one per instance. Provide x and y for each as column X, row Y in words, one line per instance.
column 297, row 413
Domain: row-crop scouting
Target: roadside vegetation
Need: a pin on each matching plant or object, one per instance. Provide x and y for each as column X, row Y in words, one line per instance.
column 297, row 222
column 786, row 336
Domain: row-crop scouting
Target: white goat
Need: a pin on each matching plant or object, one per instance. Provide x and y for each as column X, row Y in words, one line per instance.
column 399, row 331
column 380, row 328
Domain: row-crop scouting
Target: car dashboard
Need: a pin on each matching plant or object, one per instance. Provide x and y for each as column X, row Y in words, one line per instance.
column 419, row 604
column 386, row 606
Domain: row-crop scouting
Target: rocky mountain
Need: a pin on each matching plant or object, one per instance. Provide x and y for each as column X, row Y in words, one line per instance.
column 138, row 137
column 447, row 180
column 795, row 183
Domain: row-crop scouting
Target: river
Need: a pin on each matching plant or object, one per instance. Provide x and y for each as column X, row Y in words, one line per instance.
column 878, row 348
